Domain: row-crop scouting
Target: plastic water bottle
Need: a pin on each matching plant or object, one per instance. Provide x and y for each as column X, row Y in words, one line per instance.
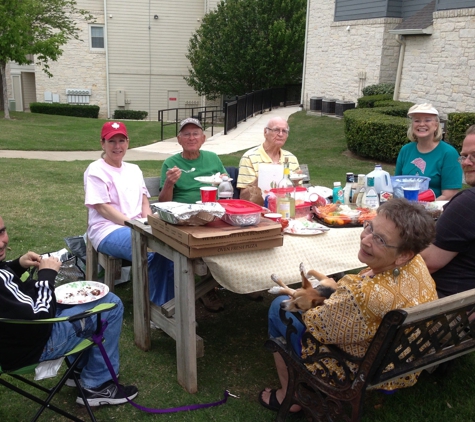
column 337, row 193
column 225, row 189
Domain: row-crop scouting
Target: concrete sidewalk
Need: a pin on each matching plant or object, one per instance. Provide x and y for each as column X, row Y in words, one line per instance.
column 247, row 135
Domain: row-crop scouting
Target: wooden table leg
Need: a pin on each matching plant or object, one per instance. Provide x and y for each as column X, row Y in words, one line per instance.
column 185, row 323
column 141, row 295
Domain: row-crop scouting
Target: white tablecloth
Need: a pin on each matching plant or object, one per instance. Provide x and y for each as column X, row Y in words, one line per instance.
column 246, row 272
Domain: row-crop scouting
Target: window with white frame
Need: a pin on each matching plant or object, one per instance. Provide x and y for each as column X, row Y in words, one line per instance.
column 97, row 37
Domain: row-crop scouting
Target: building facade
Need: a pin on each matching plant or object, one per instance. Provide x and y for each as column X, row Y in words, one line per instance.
column 425, row 47
column 132, row 57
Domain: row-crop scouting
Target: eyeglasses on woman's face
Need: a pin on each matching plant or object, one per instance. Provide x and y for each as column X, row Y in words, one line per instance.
column 377, row 239
column 470, row 156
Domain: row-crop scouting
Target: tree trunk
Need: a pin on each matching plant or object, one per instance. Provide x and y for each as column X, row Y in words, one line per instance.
column 3, row 72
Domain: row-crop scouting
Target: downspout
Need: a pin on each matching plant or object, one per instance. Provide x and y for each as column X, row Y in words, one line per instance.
column 305, row 54
column 402, row 52
column 107, row 60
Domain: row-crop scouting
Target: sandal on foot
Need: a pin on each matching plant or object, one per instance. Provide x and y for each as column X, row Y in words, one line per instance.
column 273, row 402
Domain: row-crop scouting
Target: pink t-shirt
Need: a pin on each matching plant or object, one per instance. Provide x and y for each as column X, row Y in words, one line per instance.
column 122, row 187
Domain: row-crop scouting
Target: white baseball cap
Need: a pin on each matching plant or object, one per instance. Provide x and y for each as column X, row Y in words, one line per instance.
column 424, row 108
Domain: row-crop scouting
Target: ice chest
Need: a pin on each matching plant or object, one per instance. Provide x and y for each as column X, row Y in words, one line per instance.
column 217, row 238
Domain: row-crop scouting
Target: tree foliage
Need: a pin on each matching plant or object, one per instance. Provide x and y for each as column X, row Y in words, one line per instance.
column 245, row 45
column 38, row 27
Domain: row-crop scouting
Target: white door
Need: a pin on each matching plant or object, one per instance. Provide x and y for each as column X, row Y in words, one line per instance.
column 17, row 94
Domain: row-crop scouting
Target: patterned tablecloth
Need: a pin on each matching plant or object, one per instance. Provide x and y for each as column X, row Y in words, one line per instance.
column 329, row 253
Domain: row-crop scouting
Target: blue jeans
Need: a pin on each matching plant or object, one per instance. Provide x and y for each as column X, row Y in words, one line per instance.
column 160, row 269
column 277, row 327
column 65, row 336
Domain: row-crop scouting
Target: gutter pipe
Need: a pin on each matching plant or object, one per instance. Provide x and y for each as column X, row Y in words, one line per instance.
column 402, row 52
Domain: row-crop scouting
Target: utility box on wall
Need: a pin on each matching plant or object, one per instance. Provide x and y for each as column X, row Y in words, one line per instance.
column 121, row 98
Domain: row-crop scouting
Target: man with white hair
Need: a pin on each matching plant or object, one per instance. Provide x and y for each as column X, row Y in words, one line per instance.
column 270, row 151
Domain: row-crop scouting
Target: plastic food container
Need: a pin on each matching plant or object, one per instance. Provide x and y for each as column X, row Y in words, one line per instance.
column 398, row 182
column 303, row 210
column 240, row 212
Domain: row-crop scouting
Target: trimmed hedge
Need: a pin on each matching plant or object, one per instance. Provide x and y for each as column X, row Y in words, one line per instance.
column 374, row 133
column 383, row 88
column 130, row 114
column 457, row 124
column 74, row 110
column 369, row 101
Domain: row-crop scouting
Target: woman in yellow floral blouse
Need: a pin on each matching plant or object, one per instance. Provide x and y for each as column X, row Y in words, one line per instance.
column 396, row 277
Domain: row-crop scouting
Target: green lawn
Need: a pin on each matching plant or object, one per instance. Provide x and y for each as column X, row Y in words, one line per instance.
column 42, row 203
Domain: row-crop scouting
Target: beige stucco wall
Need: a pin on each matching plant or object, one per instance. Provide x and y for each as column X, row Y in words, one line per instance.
column 78, row 68
column 341, row 61
column 441, row 68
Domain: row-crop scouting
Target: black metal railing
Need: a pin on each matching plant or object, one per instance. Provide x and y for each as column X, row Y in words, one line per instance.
column 247, row 105
column 207, row 115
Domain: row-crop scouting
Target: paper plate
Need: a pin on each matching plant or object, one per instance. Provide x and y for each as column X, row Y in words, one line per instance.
column 209, row 180
column 79, row 292
column 297, row 176
column 305, row 228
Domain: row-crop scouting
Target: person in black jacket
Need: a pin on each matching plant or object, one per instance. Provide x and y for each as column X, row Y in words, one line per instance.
column 24, row 344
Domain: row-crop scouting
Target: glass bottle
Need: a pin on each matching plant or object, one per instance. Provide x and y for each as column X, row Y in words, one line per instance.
column 285, row 202
column 360, row 190
column 347, row 188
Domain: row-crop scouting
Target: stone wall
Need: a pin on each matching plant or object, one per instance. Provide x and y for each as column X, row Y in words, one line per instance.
column 78, row 68
column 440, row 68
column 344, row 57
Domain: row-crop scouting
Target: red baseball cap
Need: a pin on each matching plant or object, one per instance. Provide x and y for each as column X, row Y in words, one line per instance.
column 113, row 128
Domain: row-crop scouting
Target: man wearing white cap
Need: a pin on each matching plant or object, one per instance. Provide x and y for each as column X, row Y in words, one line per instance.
column 427, row 155
column 450, row 258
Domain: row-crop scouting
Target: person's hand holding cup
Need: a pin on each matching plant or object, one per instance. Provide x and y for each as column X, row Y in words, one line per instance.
column 208, row 194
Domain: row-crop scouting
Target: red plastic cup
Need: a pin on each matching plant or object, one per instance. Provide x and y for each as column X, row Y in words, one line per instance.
column 427, row 196
column 208, row 193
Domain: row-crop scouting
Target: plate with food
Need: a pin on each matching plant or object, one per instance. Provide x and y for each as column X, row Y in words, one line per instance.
column 297, row 176
column 79, row 292
column 214, row 179
column 338, row 215
column 305, row 228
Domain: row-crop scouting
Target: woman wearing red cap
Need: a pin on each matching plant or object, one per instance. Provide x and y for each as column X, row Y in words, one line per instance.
column 427, row 155
column 115, row 193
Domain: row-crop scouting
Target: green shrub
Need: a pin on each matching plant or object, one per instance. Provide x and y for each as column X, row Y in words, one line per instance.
column 377, row 89
column 457, row 124
column 369, row 101
column 130, row 114
column 375, row 133
column 74, row 110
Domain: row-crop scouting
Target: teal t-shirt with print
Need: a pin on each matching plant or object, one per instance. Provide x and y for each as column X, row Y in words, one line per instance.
column 440, row 165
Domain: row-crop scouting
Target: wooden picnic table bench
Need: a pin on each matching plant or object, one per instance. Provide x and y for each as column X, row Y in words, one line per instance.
column 407, row 341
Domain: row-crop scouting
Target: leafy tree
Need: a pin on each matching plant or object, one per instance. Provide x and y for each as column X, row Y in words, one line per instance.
column 245, row 45
column 38, row 27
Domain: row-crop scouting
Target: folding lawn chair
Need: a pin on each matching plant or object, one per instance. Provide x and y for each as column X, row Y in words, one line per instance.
column 79, row 350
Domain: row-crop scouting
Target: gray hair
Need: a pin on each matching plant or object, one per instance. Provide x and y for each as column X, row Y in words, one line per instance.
column 416, row 226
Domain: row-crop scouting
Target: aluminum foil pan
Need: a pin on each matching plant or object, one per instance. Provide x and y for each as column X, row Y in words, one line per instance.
column 188, row 214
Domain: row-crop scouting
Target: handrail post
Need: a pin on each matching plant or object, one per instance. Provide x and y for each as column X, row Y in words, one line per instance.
column 225, row 117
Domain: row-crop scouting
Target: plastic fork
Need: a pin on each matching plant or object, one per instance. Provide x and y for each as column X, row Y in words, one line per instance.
column 188, row 171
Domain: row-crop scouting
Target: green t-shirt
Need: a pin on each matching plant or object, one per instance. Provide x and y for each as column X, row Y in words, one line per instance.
column 187, row 189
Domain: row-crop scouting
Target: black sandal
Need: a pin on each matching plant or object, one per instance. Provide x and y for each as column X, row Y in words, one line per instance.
column 273, row 404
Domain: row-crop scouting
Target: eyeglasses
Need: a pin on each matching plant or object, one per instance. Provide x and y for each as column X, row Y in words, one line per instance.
column 277, row 131
column 470, row 156
column 190, row 134
column 377, row 239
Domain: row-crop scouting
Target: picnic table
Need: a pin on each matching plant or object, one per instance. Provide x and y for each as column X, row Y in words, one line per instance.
column 243, row 272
